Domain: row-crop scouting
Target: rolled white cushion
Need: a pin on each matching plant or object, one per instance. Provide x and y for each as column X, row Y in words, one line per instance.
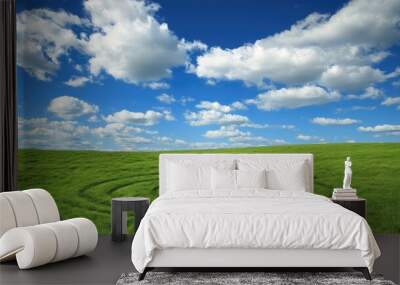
column 67, row 240
column 23, row 208
column 251, row 178
column 33, row 246
column 26, row 208
column 87, row 235
column 7, row 218
column 45, row 205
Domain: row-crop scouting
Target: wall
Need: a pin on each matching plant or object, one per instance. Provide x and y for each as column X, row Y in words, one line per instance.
column 153, row 76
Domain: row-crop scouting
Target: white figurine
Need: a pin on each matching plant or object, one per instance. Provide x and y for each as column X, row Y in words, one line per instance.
column 347, row 174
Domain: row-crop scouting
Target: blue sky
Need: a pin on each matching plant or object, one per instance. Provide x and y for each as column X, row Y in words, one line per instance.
column 132, row 75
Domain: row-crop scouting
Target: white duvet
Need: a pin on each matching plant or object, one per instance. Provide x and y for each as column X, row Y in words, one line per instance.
column 250, row 219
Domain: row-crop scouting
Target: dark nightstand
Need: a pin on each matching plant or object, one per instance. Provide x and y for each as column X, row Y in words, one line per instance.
column 358, row 205
column 120, row 206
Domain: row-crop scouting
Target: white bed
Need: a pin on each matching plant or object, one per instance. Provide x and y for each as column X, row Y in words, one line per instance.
column 249, row 227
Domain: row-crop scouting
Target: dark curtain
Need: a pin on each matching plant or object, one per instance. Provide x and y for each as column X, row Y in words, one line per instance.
column 8, row 100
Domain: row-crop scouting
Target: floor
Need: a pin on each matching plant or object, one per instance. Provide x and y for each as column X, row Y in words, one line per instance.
column 110, row 260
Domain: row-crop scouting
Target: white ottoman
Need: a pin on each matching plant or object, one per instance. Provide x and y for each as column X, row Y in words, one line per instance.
column 31, row 232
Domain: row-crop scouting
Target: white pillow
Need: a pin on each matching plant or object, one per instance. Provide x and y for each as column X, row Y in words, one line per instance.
column 183, row 177
column 223, row 179
column 281, row 175
column 292, row 178
column 251, row 178
column 189, row 175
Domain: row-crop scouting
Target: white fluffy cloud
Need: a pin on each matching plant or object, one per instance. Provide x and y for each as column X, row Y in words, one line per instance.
column 147, row 118
column 169, row 99
column 208, row 145
column 166, row 98
column 43, row 133
column 68, row 107
column 195, row 45
column 127, row 41
column 291, row 98
column 131, row 45
column 214, row 113
column 128, row 141
column 225, row 132
column 238, row 105
column 65, row 134
column 209, row 117
column 392, row 101
column 157, row 85
column 216, row 106
column 238, row 137
column 77, row 81
column 123, row 38
column 351, row 78
column 255, row 126
column 319, row 48
column 116, row 130
column 254, row 64
column 254, row 140
column 126, row 136
column 168, row 141
column 58, row 134
column 43, row 36
column 380, row 128
column 370, row 93
column 333, row 121
column 304, row 137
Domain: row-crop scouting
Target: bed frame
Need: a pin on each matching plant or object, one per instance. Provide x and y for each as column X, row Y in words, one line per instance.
column 251, row 258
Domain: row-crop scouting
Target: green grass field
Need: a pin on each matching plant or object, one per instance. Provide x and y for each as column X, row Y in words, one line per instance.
column 83, row 182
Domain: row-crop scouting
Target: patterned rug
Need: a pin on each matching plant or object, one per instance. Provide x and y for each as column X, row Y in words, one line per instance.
column 243, row 278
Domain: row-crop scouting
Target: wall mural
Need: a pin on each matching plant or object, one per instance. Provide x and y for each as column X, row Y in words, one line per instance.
column 104, row 86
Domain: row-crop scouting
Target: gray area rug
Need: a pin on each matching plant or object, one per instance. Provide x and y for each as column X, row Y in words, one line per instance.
column 229, row 278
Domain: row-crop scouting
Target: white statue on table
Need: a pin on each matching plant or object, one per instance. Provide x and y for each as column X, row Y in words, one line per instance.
column 347, row 174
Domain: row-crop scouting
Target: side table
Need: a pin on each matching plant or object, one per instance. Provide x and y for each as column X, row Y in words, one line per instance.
column 120, row 206
column 357, row 205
